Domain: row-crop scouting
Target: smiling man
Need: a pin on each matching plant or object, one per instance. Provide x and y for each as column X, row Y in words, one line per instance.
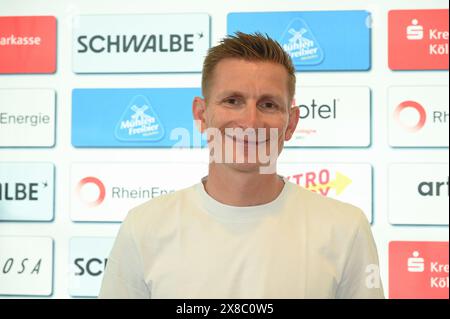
column 244, row 231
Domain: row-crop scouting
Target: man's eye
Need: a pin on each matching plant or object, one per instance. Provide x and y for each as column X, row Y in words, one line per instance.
column 232, row 101
column 268, row 105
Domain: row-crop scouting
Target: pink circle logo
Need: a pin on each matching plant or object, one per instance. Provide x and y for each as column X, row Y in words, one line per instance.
column 416, row 106
column 98, row 184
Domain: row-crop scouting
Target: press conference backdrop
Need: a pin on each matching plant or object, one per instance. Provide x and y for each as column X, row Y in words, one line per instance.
column 95, row 118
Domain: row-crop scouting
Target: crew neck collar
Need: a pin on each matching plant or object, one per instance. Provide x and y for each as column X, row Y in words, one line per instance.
column 229, row 212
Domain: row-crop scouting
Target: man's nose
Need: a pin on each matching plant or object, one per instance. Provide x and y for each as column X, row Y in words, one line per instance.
column 251, row 117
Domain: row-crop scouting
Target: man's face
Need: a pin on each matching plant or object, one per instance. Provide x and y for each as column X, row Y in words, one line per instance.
column 252, row 96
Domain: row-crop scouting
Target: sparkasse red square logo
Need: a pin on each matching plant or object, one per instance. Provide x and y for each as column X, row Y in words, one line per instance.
column 418, row 39
column 418, row 270
column 28, row 44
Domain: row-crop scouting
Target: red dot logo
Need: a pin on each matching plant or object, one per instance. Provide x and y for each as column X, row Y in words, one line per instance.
column 415, row 106
column 98, row 184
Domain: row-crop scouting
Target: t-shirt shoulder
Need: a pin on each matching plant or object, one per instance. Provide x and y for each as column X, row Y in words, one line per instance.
column 158, row 207
column 326, row 209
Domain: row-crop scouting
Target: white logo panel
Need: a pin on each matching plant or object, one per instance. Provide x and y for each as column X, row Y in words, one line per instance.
column 106, row 192
column 418, row 116
column 27, row 118
column 26, row 191
column 140, row 43
column 418, row 193
column 88, row 259
column 332, row 117
column 26, row 266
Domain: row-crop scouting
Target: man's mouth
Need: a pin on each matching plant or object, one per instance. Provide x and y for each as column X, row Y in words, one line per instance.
column 246, row 140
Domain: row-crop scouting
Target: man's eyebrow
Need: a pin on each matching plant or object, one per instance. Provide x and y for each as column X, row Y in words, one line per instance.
column 240, row 94
column 272, row 96
column 230, row 93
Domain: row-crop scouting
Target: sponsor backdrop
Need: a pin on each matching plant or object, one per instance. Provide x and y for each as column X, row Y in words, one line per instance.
column 95, row 118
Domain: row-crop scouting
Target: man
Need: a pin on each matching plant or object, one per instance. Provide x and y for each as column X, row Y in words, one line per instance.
column 244, row 232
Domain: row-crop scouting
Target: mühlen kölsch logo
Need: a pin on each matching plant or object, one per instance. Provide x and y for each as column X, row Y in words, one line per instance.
column 139, row 122
column 300, row 43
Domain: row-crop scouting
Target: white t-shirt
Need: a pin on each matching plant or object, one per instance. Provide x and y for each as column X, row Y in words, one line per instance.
column 188, row 245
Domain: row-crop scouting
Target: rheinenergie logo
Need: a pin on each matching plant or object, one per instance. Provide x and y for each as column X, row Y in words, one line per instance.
column 85, row 186
column 415, row 106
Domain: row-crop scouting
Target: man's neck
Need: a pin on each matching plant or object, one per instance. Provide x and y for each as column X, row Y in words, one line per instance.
column 236, row 188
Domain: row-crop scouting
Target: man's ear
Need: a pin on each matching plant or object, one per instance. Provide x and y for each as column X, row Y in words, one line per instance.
column 198, row 111
column 294, row 115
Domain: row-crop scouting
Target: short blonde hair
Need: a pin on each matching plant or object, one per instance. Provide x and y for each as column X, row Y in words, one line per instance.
column 250, row 47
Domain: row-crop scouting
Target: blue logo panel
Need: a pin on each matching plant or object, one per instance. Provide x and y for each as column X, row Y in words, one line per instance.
column 134, row 118
column 316, row 40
